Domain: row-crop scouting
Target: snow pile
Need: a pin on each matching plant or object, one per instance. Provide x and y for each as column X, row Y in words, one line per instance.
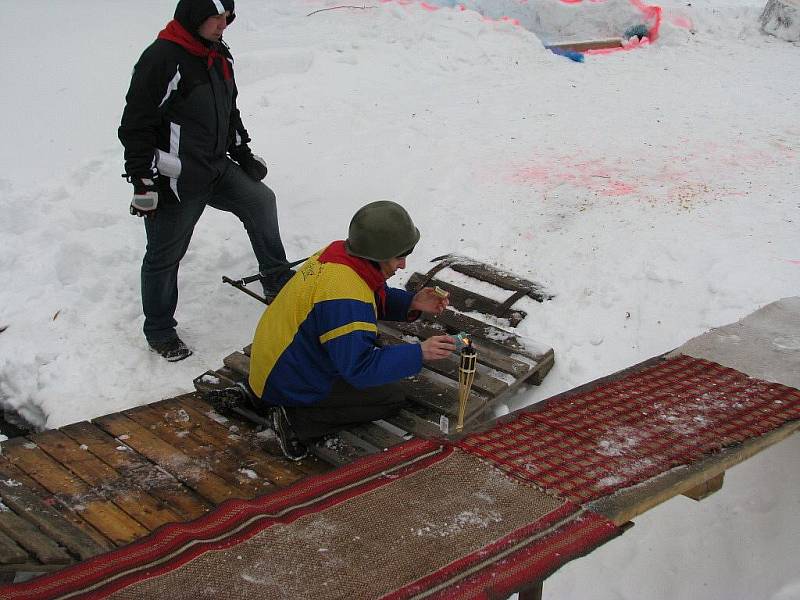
column 781, row 18
column 557, row 22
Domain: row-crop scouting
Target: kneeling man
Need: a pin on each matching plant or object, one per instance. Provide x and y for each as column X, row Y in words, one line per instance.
column 315, row 358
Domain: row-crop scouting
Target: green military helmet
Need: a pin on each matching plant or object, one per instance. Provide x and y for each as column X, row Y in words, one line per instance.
column 381, row 230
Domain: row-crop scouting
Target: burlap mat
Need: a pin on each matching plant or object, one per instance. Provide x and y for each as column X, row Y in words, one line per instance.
column 368, row 545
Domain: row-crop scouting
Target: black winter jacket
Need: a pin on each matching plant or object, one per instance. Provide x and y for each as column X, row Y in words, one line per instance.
column 183, row 106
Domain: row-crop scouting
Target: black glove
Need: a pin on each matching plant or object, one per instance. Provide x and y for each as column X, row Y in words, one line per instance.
column 252, row 164
column 145, row 196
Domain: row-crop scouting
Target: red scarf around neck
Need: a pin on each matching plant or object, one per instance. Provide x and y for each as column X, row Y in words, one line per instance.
column 175, row 32
column 336, row 253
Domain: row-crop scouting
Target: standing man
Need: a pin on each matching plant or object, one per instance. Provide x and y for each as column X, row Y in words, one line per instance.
column 315, row 359
column 185, row 148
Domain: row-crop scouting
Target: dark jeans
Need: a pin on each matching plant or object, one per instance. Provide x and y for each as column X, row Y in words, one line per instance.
column 345, row 407
column 168, row 236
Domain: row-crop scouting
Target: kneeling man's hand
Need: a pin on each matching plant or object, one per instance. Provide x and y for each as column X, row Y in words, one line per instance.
column 438, row 347
column 429, row 301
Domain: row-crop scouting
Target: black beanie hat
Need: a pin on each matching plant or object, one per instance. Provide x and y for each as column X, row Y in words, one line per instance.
column 192, row 13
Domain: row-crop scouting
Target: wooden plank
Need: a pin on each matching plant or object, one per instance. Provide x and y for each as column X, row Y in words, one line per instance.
column 467, row 301
column 542, row 369
column 583, row 46
column 101, row 513
column 31, row 566
column 238, row 362
column 249, row 448
column 377, row 435
column 138, row 470
column 705, row 489
column 211, row 381
column 495, row 276
column 626, row 504
column 174, row 425
column 28, row 500
column 453, row 321
column 533, row 592
column 441, row 398
column 342, row 448
column 10, row 552
column 491, row 355
column 421, row 425
column 190, row 470
column 260, row 439
column 449, row 368
column 364, row 447
column 31, row 539
column 137, row 503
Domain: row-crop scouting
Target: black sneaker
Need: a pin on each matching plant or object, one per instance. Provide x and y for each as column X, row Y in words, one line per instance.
column 173, row 350
column 292, row 447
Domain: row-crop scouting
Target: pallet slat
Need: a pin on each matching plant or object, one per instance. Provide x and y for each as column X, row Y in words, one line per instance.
column 449, row 368
column 10, row 552
column 247, row 447
column 493, row 357
column 453, row 321
column 173, row 424
column 31, row 539
column 491, row 274
column 238, row 362
column 468, row 301
column 23, row 495
column 101, row 513
column 343, row 448
column 138, row 470
column 138, row 504
column 377, row 435
column 413, row 422
column 189, row 470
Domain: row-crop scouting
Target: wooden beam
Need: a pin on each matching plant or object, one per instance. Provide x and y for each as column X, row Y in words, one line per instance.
column 532, row 593
column 705, row 489
column 626, row 504
column 587, row 45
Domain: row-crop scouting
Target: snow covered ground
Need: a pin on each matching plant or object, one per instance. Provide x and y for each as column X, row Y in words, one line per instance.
column 654, row 191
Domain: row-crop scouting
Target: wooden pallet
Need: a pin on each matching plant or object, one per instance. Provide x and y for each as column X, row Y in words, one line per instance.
column 504, row 363
column 71, row 493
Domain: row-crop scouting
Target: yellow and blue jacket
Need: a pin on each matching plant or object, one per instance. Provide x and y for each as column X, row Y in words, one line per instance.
column 323, row 326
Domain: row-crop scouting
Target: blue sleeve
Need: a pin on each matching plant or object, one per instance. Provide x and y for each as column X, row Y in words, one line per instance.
column 349, row 338
column 398, row 304
column 362, row 364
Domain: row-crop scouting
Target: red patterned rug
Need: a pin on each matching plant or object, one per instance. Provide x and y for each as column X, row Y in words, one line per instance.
column 586, row 446
column 421, row 520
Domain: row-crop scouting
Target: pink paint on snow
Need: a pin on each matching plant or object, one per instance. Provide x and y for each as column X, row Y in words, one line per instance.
column 592, row 175
column 682, row 176
column 681, row 21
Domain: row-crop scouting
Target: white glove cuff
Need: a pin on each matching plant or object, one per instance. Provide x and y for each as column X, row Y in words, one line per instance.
column 168, row 164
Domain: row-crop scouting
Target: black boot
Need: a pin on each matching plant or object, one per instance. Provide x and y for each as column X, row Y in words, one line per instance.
column 173, row 350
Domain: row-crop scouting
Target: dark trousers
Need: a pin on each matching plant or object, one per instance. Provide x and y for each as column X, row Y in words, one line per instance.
column 346, row 406
column 168, row 236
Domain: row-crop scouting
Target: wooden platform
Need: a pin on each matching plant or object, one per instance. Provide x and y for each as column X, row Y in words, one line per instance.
column 71, row 493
